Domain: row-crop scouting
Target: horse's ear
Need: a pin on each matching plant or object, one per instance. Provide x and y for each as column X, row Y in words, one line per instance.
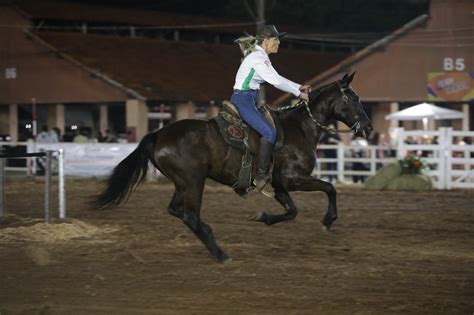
column 347, row 78
column 351, row 77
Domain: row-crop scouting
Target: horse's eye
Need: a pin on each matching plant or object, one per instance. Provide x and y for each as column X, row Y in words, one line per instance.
column 356, row 98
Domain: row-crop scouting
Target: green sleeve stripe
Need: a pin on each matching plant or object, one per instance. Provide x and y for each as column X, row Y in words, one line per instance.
column 246, row 84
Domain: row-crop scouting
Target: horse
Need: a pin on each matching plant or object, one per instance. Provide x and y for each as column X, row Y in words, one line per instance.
column 189, row 151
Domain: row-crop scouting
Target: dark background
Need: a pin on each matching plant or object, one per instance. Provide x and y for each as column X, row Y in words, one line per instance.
column 328, row 15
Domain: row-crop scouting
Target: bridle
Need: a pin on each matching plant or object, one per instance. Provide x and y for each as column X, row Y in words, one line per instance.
column 354, row 128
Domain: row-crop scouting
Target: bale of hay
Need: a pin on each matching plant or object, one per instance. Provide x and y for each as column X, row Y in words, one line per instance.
column 384, row 176
column 411, row 182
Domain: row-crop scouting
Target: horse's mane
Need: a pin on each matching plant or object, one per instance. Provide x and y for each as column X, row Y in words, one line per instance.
column 320, row 89
column 312, row 97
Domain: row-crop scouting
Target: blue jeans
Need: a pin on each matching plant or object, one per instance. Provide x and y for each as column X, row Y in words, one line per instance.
column 245, row 101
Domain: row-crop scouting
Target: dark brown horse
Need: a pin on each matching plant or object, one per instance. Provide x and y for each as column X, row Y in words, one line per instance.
column 189, row 151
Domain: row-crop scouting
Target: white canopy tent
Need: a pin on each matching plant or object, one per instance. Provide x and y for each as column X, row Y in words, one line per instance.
column 425, row 111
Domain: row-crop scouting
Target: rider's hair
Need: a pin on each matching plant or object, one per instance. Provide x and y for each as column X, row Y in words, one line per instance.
column 247, row 44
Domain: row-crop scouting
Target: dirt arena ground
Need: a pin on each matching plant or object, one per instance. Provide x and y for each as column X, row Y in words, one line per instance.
column 388, row 253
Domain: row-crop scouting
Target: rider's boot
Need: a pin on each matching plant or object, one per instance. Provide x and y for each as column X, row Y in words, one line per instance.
column 264, row 174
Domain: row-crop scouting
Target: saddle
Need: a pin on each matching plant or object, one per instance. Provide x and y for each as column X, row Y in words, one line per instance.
column 239, row 135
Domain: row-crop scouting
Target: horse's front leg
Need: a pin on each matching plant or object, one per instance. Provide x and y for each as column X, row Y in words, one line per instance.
column 283, row 197
column 309, row 183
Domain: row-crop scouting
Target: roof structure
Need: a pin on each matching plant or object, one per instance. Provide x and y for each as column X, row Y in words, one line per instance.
column 62, row 10
column 177, row 70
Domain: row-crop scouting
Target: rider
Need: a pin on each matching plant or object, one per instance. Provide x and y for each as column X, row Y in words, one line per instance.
column 256, row 69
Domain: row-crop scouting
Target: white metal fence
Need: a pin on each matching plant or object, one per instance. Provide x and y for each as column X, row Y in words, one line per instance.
column 451, row 162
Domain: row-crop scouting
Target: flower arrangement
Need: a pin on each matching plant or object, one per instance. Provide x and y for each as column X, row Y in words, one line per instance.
column 412, row 165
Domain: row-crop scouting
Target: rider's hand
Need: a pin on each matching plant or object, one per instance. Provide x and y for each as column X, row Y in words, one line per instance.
column 304, row 96
column 305, row 88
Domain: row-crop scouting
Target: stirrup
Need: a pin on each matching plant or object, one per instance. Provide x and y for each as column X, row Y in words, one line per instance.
column 269, row 194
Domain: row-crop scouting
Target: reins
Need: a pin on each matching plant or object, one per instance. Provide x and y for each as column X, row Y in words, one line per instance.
column 300, row 103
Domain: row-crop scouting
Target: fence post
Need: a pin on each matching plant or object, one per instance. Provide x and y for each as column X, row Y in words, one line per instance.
column 340, row 162
column 317, row 165
column 2, row 185
column 61, row 189
column 47, row 196
column 447, row 156
column 373, row 157
column 401, row 143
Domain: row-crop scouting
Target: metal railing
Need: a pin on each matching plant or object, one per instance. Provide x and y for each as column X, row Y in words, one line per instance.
column 451, row 164
column 48, row 154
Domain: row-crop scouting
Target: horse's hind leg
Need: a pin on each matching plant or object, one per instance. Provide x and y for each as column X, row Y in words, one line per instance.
column 283, row 197
column 191, row 217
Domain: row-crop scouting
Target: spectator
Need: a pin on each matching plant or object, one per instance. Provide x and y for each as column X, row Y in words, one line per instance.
column 468, row 141
column 53, row 136
column 381, row 145
column 360, row 146
column 82, row 137
column 44, row 135
column 56, row 134
column 40, row 162
column 333, row 139
column 109, row 137
column 69, row 136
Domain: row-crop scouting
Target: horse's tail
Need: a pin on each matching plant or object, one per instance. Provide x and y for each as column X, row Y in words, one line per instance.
column 127, row 175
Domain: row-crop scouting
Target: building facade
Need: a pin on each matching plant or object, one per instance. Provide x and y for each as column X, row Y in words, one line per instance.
column 430, row 59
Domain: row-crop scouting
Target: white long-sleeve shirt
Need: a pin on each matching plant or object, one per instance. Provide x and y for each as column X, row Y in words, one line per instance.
column 256, row 69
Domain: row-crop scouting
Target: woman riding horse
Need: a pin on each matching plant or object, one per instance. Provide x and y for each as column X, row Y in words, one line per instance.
column 256, row 69
column 189, row 151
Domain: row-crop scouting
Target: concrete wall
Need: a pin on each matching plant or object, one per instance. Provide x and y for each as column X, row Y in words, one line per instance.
column 137, row 120
column 185, row 110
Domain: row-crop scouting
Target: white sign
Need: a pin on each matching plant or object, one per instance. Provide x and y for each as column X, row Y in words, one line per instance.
column 10, row 73
column 88, row 159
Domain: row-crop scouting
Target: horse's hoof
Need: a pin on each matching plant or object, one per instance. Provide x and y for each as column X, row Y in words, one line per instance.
column 326, row 227
column 256, row 216
column 226, row 261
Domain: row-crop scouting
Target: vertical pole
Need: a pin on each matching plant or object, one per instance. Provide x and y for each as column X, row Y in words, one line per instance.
column 373, row 158
column 33, row 114
column 401, row 143
column 32, row 161
column 318, row 165
column 447, row 156
column 2, row 185
column 340, row 162
column 162, row 112
column 47, row 192
column 62, row 199
column 465, row 119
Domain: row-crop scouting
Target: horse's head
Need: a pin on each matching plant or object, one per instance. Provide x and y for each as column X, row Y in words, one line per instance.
column 344, row 105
